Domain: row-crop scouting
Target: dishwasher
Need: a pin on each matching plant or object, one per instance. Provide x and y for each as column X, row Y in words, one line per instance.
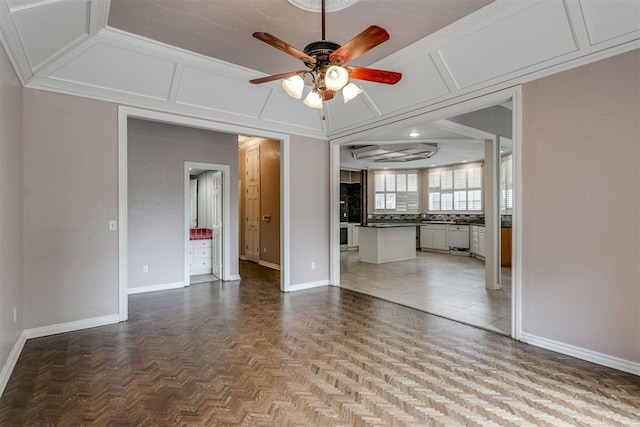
column 458, row 239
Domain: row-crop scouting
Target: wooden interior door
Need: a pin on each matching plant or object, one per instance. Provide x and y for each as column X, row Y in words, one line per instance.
column 252, row 205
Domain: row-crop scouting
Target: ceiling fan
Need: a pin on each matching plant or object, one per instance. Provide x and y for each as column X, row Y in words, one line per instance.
column 327, row 65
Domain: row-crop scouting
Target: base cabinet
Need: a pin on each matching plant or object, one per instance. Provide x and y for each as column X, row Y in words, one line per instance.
column 353, row 235
column 201, row 257
column 433, row 236
column 477, row 240
column 505, row 246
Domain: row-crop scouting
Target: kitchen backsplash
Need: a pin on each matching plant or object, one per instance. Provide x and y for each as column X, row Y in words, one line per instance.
column 460, row 218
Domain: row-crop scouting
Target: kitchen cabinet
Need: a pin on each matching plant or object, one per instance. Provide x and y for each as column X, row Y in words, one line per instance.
column 481, row 241
column 477, row 243
column 353, row 236
column 387, row 242
column 473, row 239
column 349, row 177
column 505, row 246
column 433, row 236
column 477, row 240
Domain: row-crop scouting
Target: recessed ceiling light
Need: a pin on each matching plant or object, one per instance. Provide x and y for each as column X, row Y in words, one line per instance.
column 414, row 134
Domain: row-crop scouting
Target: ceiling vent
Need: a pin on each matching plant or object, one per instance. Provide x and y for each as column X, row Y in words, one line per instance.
column 395, row 152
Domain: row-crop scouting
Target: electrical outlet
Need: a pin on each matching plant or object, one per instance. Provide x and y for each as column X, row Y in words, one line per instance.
column 265, row 250
column 313, row 265
column 15, row 315
column 145, row 268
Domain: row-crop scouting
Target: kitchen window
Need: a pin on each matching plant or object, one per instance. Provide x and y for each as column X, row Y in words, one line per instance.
column 396, row 191
column 455, row 189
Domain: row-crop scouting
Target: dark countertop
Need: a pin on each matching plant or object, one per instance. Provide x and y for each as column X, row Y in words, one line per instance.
column 391, row 224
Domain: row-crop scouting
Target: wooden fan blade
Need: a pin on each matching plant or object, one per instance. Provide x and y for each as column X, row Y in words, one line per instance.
column 327, row 94
column 275, row 77
column 366, row 40
column 284, row 46
column 372, row 75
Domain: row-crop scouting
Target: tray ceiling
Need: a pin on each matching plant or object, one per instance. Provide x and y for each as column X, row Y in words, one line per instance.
column 222, row 29
column 196, row 57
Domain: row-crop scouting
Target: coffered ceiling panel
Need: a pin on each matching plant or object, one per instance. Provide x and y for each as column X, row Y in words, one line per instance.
column 421, row 81
column 47, row 29
column 283, row 109
column 127, row 71
column 606, row 20
column 206, row 89
column 539, row 32
column 342, row 115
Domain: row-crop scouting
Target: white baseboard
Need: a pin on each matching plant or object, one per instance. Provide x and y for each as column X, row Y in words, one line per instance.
column 232, row 277
column 269, row 265
column 71, row 326
column 308, row 285
column 7, row 369
column 242, row 257
column 154, row 288
column 584, row 354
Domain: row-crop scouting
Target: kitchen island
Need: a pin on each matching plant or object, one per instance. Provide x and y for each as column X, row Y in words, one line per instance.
column 386, row 242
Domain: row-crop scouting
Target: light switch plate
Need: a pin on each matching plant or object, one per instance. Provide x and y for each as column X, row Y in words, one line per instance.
column 113, row 225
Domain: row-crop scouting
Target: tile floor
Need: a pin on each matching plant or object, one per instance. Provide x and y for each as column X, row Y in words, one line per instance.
column 202, row 278
column 446, row 285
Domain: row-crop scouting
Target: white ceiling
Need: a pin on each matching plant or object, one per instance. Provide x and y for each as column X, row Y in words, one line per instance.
column 447, row 53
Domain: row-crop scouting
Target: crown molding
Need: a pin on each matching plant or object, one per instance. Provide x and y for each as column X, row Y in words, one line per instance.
column 13, row 45
column 128, row 99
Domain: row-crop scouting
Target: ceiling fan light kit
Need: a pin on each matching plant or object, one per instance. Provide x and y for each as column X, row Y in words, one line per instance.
column 336, row 77
column 350, row 91
column 327, row 65
column 313, row 100
column 294, row 86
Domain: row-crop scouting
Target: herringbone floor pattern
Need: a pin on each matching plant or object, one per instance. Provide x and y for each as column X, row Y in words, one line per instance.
column 245, row 354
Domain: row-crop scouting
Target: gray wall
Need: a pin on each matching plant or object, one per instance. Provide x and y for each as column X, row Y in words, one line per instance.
column 70, row 194
column 156, row 155
column 581, row 207
column 10, row 207
column 310, row 209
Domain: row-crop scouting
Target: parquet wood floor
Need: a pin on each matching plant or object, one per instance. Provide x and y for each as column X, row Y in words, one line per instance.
column 245, row 354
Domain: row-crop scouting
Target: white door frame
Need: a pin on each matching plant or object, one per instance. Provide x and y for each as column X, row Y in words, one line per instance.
column 438, row 112
column 226, row 214
column 124, row 113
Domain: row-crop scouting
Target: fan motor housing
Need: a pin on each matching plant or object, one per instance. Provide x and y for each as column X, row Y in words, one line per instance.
column 321, row 51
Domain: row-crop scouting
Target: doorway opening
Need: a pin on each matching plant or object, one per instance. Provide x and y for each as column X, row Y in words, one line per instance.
column 230, row 227
column 260, row 200
column 461, row 204
column 204, row 219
